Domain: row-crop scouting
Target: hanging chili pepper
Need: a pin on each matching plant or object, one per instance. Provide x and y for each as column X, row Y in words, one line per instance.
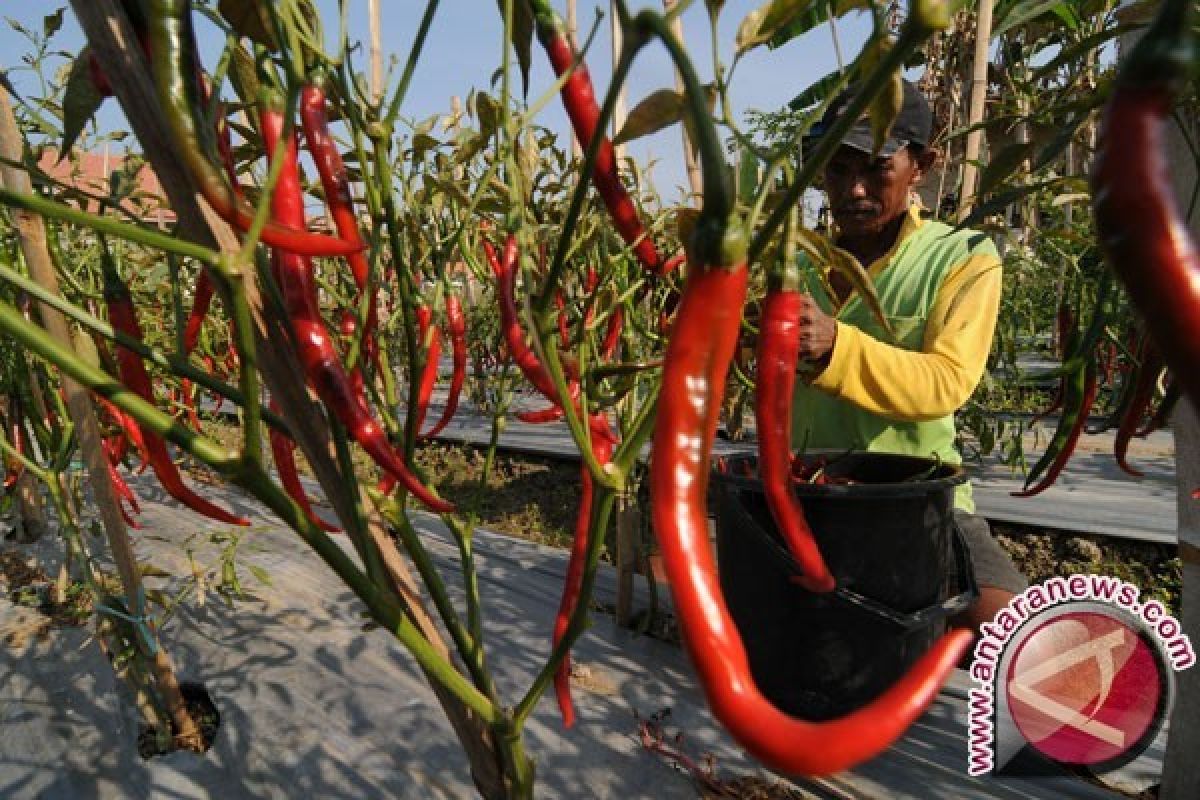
column 1080, row 394
column 1165, row 406
column 1065, row 327
column 16, row 435
column 526, row 360
column 129, row 427
column 283, row 451
column 175, row 68
column 456, row 323
column 1148, row 370
column 612, row 334
column 201, row 300
column 313, row 343
column 335, row 183
column 579, row 99
column 778, row 351
column 564, row 332
column 122, row 488
column 602, row 446
column 1144, row 235
column 701, row 347
column 431, row 341
column 541, row 416
column 123, row 317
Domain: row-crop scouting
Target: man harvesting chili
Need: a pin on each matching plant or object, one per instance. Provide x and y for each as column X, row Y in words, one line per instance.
column 940, row 289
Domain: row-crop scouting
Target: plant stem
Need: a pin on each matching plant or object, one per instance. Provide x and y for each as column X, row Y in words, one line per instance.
column 41, row 344
column 123, row 230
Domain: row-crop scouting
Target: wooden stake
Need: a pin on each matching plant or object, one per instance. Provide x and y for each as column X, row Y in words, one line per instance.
column 31, row 233
column 979, row 71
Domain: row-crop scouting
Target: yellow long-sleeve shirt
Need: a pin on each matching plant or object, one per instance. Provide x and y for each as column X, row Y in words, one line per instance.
column 940, row 289
column 913, row 385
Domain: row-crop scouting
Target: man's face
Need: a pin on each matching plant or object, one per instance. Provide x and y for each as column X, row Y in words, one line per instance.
column 865, row 192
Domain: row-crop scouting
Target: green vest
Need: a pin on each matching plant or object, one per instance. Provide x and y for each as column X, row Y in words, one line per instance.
column 907, row 286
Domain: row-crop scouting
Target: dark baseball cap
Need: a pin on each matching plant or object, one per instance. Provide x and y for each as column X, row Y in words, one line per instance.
column 913, row 124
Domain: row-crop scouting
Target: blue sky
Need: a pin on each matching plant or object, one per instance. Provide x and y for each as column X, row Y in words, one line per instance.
column 463, row 50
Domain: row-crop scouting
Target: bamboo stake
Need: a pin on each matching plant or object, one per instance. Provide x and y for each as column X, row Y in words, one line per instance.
column 618, row 40
column 979, row 72
column 374, row 20
column 32, row 235
column 573, row 36
column 695, row 179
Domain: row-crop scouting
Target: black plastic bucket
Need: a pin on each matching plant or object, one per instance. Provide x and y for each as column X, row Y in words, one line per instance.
column 901, row 565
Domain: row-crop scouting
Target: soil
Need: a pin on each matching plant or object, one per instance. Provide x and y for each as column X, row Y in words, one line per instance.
column 202, row 709
column 30, row 587
column 535, row 498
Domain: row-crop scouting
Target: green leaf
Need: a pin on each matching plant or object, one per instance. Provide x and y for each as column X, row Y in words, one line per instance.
column 249, row 18
column 1077, row 51
column 149, row 570
column 656, row 111
column 824, row 253
column 819, row 13
column 1023, row 12
column 1003, row 164
column 822, row 89
column 52, row 23
column 422, row 143
column 747, row 33
column 260, row 574
column 80, row 102
column 487, row 111
column 999, row 202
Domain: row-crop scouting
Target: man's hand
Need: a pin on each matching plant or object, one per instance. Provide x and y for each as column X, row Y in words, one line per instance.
column 817, row 332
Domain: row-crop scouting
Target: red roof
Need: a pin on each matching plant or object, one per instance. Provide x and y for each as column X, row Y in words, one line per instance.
column 90, row 172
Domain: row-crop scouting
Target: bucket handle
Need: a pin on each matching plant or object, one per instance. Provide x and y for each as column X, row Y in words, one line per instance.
column 968, row 591
column 907, row 621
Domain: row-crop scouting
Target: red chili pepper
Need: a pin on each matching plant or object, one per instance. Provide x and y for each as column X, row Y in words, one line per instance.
column 123, row 317
column 283, row 451
column 431, row 341
column 612, row 334
column 602, row 446
column 16, row 433
column 201, row 300
column 176, row 67
column 122, row 489
column 579, row 99
column 541, row 416
column 564, row 333
column 1165, row 406
column 526, row 360
column 313, row 343
column 1148, row 370
column 1080, row 393
column 699, row 353
column 335, row 182
column 1144, row 235
column 457, row 325
column 129, row 427
column 778, row 351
